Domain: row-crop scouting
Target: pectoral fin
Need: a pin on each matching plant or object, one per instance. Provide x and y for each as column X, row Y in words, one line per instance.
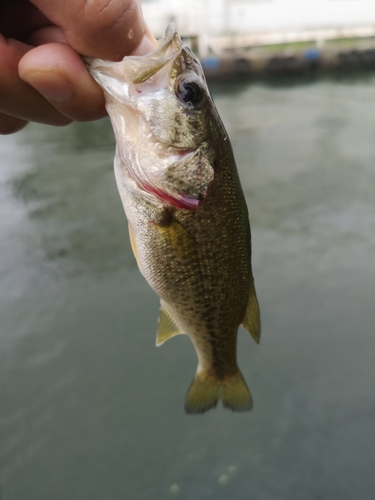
column 167, row 328
column 178, row 239
column 252, row 317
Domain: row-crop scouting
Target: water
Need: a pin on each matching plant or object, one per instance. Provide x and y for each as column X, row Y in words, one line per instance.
column 90, row 409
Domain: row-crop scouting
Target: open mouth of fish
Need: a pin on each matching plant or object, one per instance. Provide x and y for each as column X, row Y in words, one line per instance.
column 177, row 174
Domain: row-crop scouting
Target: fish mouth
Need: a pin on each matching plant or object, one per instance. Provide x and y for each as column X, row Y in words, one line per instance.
column 173, row 175
column 135, row 69
column 116, row 77
column 169, row 48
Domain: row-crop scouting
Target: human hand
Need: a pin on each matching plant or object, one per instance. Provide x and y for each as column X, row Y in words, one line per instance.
column 42, row 76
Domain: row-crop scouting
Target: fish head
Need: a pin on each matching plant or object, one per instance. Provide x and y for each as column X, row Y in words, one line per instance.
column 164, row 120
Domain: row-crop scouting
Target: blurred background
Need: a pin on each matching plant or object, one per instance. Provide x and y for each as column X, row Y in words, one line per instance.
column 90, row 409
column 252, row 38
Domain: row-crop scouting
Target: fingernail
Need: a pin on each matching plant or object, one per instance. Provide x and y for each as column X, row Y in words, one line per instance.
column 52, row 86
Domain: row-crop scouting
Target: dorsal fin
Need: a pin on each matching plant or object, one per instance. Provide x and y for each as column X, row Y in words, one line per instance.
column 167, row 328
column 252, row 317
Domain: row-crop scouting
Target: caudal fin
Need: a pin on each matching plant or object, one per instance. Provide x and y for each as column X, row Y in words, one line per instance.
column 205, row 392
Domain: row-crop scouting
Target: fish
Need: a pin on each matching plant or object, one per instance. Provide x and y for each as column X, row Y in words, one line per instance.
column 187, row 215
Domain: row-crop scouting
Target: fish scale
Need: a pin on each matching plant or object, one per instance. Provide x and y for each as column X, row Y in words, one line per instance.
column 187, row 214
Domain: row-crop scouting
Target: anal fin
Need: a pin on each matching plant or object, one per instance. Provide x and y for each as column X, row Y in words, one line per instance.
column 167, row 328
column 252, row 316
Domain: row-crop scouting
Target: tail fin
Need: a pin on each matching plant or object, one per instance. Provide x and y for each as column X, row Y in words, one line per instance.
column 205, row 391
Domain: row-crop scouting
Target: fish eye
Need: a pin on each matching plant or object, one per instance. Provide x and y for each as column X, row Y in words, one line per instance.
column 190, row 92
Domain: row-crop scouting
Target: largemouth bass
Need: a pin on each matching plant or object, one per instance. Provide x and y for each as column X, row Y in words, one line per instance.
column 187, row 215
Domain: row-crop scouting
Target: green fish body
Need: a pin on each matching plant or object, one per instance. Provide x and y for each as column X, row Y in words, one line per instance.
column 187, row 214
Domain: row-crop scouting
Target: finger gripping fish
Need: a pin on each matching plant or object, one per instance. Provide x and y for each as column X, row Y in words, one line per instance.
column 187, row 215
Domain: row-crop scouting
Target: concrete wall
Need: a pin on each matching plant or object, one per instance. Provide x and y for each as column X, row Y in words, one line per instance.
column 189, row 15
column 280, row 15
column 216, row 17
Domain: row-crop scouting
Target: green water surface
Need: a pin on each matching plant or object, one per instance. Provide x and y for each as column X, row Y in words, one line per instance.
column 91, row 410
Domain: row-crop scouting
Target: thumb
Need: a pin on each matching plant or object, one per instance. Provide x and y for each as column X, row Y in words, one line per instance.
column 110, row 29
